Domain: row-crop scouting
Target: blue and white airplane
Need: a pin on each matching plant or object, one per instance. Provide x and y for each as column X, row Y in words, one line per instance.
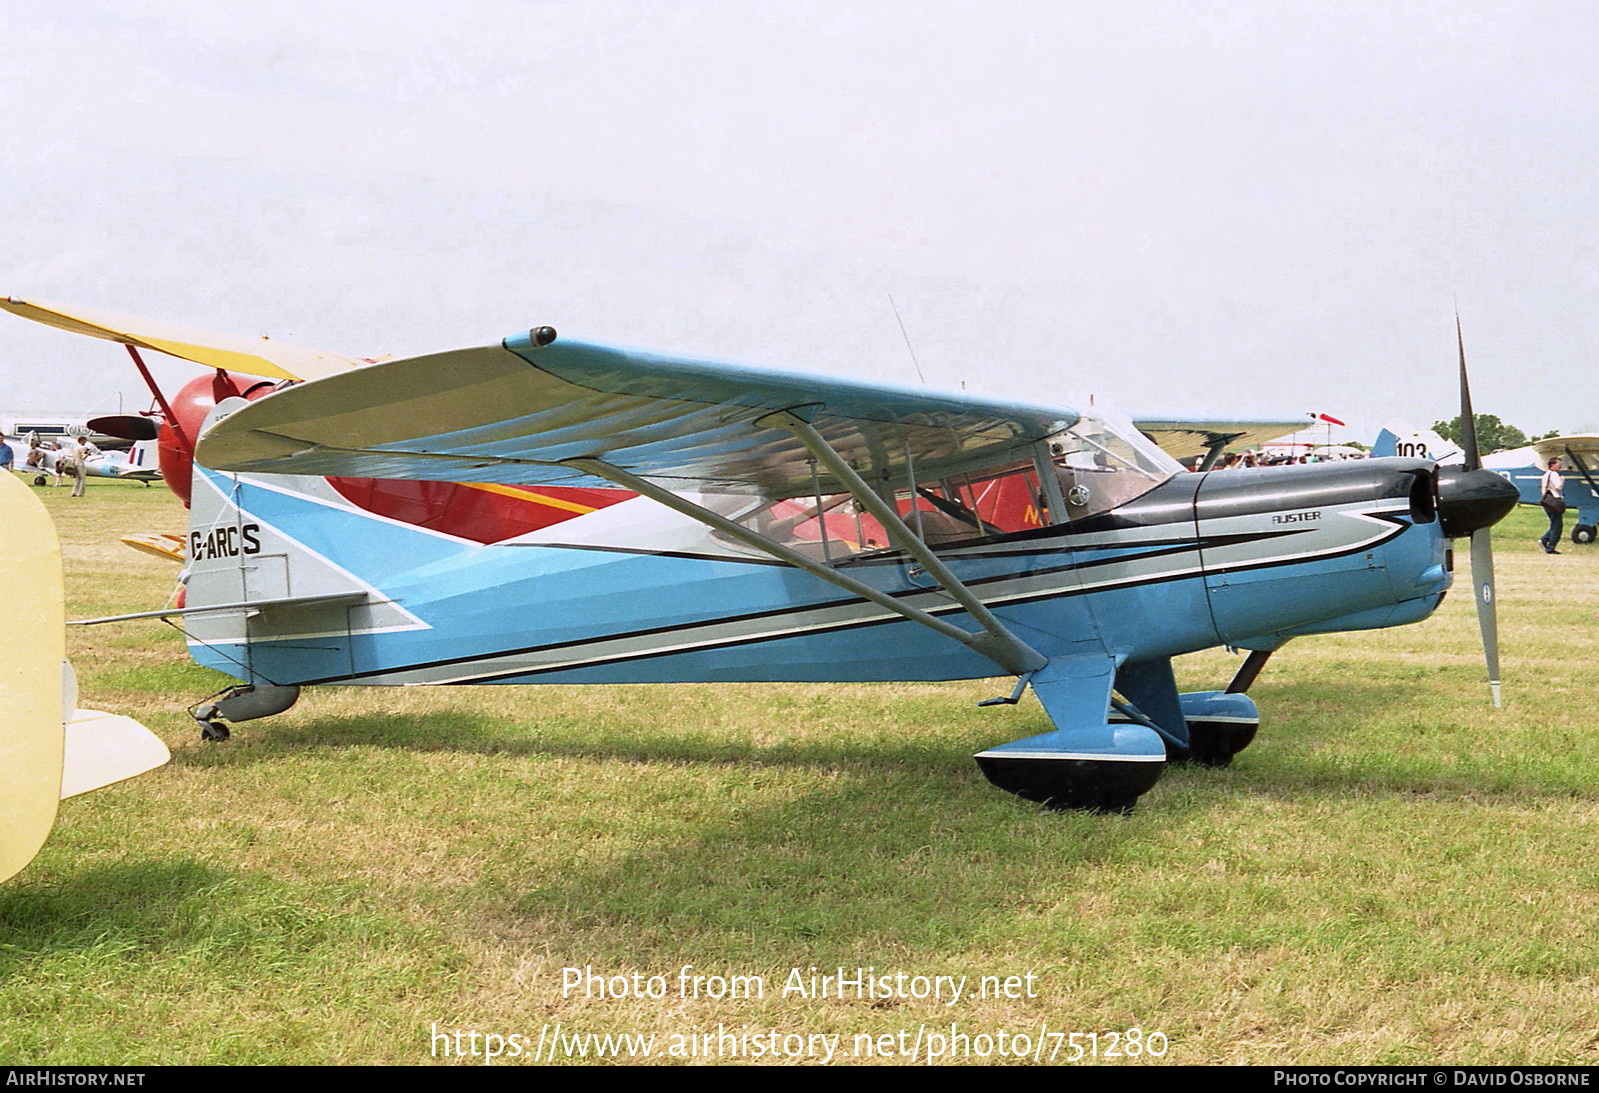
column 788, row 527
column 137, row 463
column 1522, row 467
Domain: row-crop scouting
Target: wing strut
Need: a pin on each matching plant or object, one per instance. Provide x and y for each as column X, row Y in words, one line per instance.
column 997, row 643
column 1583, row 469
column 1001, row 647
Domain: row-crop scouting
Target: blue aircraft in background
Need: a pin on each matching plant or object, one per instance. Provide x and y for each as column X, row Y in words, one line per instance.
column 1522, row 467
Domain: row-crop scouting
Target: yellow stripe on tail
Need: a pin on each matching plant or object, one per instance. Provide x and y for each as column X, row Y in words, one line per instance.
column 526, row 494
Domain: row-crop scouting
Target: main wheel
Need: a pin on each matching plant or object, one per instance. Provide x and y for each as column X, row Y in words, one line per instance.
column 1214, row 745
column 1582, row 533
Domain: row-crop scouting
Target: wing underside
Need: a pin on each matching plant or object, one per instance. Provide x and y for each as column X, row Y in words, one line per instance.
column 519, row 412
column 1561, row 447
column 1187, row 439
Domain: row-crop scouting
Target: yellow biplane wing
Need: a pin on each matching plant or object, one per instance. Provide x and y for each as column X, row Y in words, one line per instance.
column 260, row 356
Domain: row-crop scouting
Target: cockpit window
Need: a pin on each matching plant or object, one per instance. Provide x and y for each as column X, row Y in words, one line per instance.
column 940, row 511
column 1099, row 463
column 1103, row 462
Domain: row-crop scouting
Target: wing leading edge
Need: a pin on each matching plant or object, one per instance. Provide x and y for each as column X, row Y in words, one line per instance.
column 945, row 429
column 1185, row 439
column 514, row 413
column 1585, row 445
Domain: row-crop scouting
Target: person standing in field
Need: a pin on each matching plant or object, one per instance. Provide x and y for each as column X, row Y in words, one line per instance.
column 1552, row 493
column 81, row 451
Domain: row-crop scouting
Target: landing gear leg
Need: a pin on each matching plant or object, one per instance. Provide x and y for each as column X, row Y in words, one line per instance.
column 1244, row 678
column 212, row 729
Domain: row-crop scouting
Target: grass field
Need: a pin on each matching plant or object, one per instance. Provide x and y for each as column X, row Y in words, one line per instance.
column 1393, row 873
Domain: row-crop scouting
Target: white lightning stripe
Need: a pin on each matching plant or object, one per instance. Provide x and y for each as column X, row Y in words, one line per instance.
column 376, row 597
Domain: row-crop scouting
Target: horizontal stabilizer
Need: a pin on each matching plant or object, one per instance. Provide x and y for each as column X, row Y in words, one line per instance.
column 237, row 605
column 103, row 748
column 161, row 544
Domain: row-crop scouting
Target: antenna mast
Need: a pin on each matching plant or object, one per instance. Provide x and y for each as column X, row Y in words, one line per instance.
column 907, row 338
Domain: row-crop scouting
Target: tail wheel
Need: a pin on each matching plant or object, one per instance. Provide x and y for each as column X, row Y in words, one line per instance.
column 1582, row 533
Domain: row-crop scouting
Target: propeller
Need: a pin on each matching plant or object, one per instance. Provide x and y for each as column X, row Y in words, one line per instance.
column 1482, row 555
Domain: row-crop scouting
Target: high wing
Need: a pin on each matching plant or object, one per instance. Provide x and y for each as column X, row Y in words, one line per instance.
column 514, row 413
column 260, row 356
column 907, row 420
column 1585, row 445
column 1185, row 439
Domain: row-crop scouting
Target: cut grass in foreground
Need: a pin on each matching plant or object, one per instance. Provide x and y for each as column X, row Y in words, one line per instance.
column 1392, row 873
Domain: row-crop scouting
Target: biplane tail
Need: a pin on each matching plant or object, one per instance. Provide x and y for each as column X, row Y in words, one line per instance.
column 50, row 750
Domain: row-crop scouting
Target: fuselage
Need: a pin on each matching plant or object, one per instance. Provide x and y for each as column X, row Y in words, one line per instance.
column 1522, row 468
column 636, row 593
column 138, row 462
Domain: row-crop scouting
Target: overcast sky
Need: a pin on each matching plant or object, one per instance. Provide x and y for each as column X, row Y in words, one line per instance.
column 1251, row 209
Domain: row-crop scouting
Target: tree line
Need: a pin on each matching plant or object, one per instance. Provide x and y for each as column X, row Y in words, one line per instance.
column 1492, row 434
